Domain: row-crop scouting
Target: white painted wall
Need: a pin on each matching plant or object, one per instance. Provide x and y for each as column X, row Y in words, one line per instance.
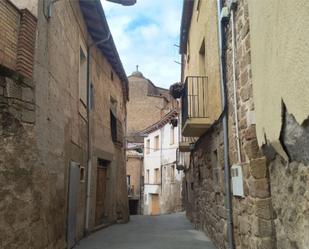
column 164, row 157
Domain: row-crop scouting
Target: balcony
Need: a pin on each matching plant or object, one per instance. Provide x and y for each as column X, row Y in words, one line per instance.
column 186, row 143
column 195, row 115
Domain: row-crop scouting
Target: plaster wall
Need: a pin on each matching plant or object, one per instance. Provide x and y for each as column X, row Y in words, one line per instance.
column 134, row 168
column 203, row 27
column 279, row 34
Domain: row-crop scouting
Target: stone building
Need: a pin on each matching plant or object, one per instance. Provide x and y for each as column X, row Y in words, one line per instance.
column 245, row 99
column 63, row 95
column 148, row 103
column 135, row 177
column 162, row 181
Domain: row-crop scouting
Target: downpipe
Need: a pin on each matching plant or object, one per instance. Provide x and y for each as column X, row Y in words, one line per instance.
column 224, row 103
column 89, row 153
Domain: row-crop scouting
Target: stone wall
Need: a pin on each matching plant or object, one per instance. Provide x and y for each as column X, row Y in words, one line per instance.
column 43, row 129
column 252, row 214
column 289, row 183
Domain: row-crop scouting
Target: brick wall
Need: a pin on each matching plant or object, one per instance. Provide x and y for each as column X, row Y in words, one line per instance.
column 9, row 28
column 17, row 40
column 26, row 43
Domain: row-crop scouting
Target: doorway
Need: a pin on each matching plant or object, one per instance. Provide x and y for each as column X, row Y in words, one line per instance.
column 101, row 191
column 155, row 206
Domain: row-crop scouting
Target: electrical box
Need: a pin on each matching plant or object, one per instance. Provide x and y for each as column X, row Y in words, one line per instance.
column 237, row 180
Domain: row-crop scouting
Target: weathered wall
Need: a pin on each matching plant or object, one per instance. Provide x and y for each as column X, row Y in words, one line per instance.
column 279, row 33
column 289, row 185
column 106, row 89
column 43, row 129
column 252, row 215
column 134, row 170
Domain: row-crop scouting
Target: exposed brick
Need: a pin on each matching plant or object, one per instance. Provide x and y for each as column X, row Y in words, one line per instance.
column 250, row 132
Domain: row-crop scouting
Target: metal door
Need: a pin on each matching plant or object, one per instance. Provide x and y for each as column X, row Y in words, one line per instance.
column 72, row 203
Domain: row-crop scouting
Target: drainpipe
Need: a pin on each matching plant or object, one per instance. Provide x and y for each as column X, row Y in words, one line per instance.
column 235, row 83
column 221, row 19
column 89, row 154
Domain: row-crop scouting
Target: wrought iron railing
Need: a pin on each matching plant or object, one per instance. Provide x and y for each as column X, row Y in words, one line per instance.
column 130, row 190
column 195, row 98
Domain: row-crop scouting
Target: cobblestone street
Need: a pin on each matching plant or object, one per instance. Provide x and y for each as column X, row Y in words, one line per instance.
column 149, row 232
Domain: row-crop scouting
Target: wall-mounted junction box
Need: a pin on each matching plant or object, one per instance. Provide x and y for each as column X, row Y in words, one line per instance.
column 237, row 180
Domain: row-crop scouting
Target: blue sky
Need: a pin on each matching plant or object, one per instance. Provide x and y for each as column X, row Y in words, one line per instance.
column 145, row 35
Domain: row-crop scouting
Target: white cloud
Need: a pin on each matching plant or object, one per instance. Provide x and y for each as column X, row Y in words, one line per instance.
column 145, row 35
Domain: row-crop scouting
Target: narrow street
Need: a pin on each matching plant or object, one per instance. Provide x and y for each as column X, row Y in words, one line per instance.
column 149, row 232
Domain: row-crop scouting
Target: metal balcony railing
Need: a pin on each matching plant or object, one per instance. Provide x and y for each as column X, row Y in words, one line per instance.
column 195, row 98
column 130, row 190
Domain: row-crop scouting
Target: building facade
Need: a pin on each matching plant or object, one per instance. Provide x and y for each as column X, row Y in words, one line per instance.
column 63, row 112
column 162, row 181
column 135, row 177
column 243, row 103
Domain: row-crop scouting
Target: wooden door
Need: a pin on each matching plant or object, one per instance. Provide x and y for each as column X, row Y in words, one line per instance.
column 155, row 206
column 100, row 195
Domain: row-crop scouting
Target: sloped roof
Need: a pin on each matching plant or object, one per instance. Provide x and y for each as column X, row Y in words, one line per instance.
column 98, row 29
column 163, row 121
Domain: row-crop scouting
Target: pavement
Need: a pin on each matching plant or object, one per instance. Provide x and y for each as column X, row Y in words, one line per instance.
column 149, row 232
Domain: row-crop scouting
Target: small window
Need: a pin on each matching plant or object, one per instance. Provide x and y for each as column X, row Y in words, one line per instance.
column 147, row 176
column 198, row 6
column 156, row 143
column 83, row 76
column 82, row 174
column 202, row 69
column 172, row 135
column 147, row 146
column 128, row 180
column 173, row 173
column 113, row 125
column 157, row 176
column 91, row 97
column 112, row 76
column 113, row 119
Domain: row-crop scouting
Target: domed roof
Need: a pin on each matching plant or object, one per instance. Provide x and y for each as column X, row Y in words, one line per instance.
column 137, row 73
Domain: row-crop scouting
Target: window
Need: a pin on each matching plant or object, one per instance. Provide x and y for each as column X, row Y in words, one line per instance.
column 147, row 176
column 82, row 174
column 157, row 176
column 202, row 70
column 172, row 135
column 91, row 97
column 112, row 76
column 147, row 146
column 83, row 76
column 198, row 6
column 128, row 180
column 113, row 119
column 113, row 125
column 156, row 143
column 173, row 173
